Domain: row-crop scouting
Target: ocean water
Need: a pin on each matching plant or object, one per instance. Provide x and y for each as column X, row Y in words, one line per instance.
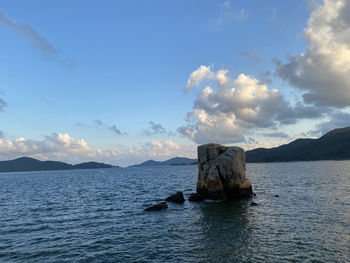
column 97, row 216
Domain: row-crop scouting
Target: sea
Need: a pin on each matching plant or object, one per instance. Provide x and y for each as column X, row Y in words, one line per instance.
column 303, row 215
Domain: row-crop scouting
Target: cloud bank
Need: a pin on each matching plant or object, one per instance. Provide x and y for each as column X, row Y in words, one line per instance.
column 322, row 72
column 227, row 110
column 226, row 113
column 58, row 146
column 63, row 147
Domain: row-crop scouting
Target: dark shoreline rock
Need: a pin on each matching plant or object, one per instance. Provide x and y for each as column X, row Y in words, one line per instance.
column 195, row 197
column 157, row 207
column 176, row 198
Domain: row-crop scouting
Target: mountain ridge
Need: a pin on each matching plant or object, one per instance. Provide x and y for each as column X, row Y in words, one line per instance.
column 334, row 145
column 24, row 164
column 172, row 161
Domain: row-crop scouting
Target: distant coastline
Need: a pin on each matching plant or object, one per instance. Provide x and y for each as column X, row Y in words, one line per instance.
column 334, row 145
column 172, row 161
column 26, row 164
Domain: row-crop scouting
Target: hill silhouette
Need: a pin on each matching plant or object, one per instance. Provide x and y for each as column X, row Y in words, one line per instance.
column 31, row 164
column 172, row 161
column 334, row 145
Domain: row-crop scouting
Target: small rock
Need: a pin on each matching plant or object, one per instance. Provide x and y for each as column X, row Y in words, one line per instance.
column 158, row 207
column 176, row 198
column 253, row 204
column 277, row 196
column 195, row 197
column 254, row 194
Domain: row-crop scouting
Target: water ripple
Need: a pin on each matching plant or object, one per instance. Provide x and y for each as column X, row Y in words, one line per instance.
column 97, row 216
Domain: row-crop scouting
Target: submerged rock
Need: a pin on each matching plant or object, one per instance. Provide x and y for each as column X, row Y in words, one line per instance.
column 176, row 198
column 195, row 197
column 253, row 204
column 221, row 173
column 158, row 207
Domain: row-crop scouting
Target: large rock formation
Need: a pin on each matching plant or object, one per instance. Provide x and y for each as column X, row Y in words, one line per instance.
column 222, row 173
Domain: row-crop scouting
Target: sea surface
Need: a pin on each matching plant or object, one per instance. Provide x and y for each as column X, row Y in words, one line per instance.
column 97, row 216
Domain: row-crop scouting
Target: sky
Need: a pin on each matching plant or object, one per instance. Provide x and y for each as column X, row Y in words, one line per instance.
column 122, row 82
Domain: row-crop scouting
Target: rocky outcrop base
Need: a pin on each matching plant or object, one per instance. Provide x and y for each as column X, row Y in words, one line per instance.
column 195, row 197
column 176, row 198
column 158, row 207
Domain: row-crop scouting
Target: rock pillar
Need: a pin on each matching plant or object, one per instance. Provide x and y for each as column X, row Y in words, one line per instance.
column 221, row 173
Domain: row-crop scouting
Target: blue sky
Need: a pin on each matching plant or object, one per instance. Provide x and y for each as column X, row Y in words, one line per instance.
column 86, row 80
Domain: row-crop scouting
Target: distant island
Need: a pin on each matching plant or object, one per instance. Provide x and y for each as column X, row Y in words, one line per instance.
column 334, row 145
column 30, row 164
column 172, row 161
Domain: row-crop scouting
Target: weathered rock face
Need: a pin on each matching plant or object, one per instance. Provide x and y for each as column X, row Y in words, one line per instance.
column 222, row 172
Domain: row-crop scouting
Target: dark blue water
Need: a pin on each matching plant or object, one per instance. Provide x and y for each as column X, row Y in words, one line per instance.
column 97, row 216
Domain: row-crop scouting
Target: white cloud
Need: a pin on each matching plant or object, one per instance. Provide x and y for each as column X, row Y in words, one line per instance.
column 199, row 75
column 226, row 114
column 322, row 72
column 227, row 110
column 204, row 73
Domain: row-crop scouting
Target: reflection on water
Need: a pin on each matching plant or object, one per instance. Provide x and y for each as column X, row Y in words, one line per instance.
column 97, row 216
column 226, row 230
